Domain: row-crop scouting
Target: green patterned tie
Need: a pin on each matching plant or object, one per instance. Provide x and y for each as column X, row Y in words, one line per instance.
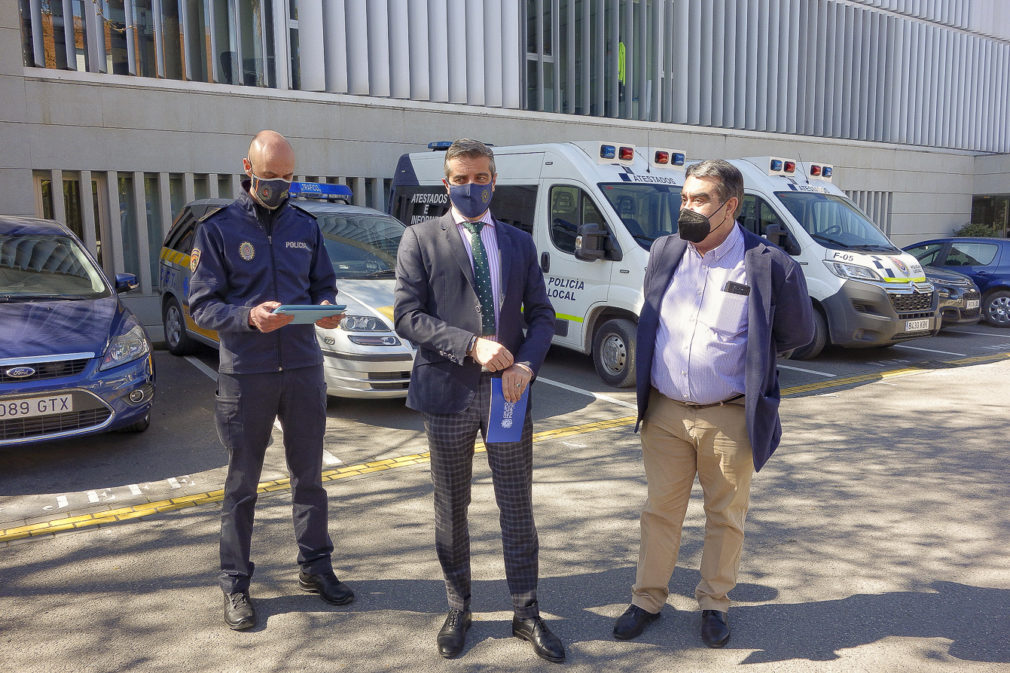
column 482, row 278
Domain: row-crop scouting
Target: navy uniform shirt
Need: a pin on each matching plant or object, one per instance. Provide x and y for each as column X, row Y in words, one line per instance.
column 245, row 255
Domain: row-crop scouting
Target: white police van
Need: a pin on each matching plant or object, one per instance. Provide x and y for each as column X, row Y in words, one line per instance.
column 363, row 357
column 594, row 208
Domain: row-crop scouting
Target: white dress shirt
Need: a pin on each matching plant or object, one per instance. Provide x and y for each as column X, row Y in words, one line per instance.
column 701, row 340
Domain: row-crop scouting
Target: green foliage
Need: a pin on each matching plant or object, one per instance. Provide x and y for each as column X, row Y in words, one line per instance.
column 977, row 229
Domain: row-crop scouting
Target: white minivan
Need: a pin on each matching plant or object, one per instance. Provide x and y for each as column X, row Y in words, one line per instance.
column 595, row 207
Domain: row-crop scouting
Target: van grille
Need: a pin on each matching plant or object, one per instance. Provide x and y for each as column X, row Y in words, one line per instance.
column 916, row 301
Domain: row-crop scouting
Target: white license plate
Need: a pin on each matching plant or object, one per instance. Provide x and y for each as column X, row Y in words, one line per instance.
column 970, row 304
column 36, row 406
column 917, row 325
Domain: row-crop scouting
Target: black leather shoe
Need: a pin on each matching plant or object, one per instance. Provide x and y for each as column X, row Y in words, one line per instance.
column 329, row 588
column 547, row 645
column 633, row 622
column 714, row 628
column 238, row 611
column 452, row 635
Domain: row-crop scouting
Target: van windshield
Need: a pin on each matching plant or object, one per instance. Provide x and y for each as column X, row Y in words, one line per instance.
column 361, row 246
column 47, row 266
column 835, row 222
column 648, row 210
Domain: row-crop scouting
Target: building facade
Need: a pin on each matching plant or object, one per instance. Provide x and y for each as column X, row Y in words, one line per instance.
column 114, row 113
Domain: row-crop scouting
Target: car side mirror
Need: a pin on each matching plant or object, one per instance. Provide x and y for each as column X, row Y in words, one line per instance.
column 591, row 242
column 126, row 282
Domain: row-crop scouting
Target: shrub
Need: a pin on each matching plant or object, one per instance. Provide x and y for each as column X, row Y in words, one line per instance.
column 977, row 229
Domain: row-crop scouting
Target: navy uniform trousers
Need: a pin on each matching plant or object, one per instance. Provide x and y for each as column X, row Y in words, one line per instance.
column 246, row 407
column 451, row 444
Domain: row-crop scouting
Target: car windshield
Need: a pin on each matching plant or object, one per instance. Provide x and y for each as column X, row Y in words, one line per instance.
column 47, row 266
column 648, row 210
column 835, row 222
column 361, row 245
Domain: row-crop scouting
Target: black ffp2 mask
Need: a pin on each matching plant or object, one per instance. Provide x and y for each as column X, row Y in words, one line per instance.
column 694, row 227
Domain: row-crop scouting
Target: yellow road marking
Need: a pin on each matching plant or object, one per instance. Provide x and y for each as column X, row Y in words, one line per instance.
column 147, row 509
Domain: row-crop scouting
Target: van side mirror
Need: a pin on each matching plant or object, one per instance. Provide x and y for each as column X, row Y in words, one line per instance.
column 780, row 237
column 591, row 242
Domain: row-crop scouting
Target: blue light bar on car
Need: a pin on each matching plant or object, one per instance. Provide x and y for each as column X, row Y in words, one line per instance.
column 319, row 190
column 439, row 145
column 608, row 152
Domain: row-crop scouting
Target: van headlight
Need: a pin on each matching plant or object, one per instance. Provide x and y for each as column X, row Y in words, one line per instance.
column 126, row 347
column 362, row 323
column 853, row 271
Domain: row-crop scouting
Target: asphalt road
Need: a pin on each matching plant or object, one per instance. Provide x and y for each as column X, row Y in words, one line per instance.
column 876, row 539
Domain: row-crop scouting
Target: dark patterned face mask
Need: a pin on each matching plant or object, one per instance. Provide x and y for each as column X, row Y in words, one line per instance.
column 269, row 193
column 471, row 199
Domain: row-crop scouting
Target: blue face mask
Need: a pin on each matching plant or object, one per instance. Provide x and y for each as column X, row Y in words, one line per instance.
column 471, row 199
column 269, row 193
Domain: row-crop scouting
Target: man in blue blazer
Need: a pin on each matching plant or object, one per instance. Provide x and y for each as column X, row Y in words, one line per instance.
column 720, row 305
column 466, row 285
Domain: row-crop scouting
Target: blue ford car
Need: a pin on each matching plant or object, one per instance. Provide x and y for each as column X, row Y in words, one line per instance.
column 73, row 359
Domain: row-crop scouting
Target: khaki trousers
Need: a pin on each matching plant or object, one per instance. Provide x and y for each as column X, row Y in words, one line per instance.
column 679, row 441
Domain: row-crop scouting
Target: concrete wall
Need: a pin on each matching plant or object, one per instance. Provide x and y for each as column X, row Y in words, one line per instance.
column 80, row 121
column 992, row 174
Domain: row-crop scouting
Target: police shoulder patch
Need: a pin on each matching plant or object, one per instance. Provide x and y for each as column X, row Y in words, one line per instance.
column 194, row 259
column 246, row 251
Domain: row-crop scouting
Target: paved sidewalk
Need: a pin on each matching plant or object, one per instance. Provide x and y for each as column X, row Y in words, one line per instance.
column 876, row 542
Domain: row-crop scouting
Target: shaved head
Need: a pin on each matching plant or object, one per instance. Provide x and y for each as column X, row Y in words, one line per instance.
column 270, row 156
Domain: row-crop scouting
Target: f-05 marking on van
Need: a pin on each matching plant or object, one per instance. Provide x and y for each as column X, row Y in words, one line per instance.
column 595, row 207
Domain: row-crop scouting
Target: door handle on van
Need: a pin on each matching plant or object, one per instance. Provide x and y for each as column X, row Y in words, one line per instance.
column 545, row 262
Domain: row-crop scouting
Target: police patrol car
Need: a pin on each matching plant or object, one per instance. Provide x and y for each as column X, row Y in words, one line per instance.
column 595, row 207
column 361, row 358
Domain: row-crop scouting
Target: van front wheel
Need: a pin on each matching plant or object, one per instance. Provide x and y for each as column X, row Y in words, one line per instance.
column 614, row 352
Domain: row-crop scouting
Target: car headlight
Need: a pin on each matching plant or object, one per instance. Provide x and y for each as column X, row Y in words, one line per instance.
column 363, row 323
column 853, row 271
column 126, row 347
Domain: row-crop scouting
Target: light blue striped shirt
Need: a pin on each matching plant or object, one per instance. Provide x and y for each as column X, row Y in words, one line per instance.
column 701, row 340
column 489, row 238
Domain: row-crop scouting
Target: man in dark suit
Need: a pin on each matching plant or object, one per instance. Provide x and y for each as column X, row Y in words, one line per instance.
column 465, row 284
column 720, row 304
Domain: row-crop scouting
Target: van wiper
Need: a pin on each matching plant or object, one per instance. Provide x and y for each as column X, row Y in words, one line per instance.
column 875, row 247
column 829, row 240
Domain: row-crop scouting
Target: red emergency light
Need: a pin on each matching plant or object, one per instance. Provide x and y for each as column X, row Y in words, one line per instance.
column 626, row 154
column 662, row 157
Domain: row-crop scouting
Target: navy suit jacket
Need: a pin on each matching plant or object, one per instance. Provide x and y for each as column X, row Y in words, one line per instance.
column 436, row 307
column 779, row 319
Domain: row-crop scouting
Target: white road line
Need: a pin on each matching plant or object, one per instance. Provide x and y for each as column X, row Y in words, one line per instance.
column 330, row 459
column 986, row 334
column 588, row 393
column 930, row 350
column 135, row 490
column 805, row 371
column 173, row 482
column 92, row 496
column 61, row 501
column 202, row 367
column 277, row 424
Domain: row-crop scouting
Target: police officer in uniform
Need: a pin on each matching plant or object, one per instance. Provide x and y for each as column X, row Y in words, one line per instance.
column 249, row 258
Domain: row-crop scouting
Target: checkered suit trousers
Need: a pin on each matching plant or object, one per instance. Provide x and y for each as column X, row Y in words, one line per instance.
column 451, row 443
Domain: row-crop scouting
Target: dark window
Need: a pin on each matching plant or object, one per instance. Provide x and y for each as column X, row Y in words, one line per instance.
column 927, row 254
column 515, row 205
column 570, row 208
column 971, row 254
column 756, row 215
